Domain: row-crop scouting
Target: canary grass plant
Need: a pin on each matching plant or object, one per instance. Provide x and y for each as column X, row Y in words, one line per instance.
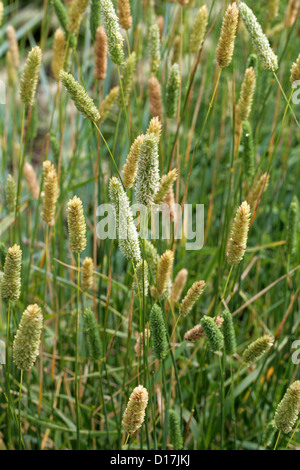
column 126, row 112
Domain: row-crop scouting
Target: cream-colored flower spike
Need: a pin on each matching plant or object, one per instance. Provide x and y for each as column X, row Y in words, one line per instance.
column 237, row 241
column 134, row 415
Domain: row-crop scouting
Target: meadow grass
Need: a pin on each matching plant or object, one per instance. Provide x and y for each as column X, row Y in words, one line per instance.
column 197, row 393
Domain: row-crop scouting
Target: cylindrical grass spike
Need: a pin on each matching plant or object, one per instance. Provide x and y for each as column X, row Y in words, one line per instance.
column 174, row 430
column 292, row 13
column 124, row 14
column 93, row 335
column 257, row 349
column 147, row 178
column 134, row 414
column 113, row 33
column 225, row 47
column 228, row 333
column 131, row 165
column 164, row 270
column 3, row 253
column 30, row 76
column 32, row 181
column 173, row 91
column 28, row 337
column 95, row 18
column 58, row 59
column 213, row 333
column 178, row 285
column 151, row 256
column 198, row 30
column 191, row 297
column 292, row 226
column 287, row 411
column 11, row 282
column 79, row 96
column 259, row 39
column 154, row 48
column 108, row 103
column 140, row 283
column 155, row 102
column 76, row 225
column 87, row 274
column 158, row 333
column 11, row 193
column 61, row 13
column 128, row 236
column 197, row 332
column 76, row 12
column 13, row 45
column 100, row 54
column 269, row 434
column 166, row 183
column 128, row 71
column 257, row 190
column 237, row 241
column 11, row 70
column 248, row 150
column 295, row 70
column 155, row 127
column 246, row 97
column 51, row 193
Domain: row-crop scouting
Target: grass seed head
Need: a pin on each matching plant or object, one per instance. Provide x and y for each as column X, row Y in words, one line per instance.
column 13, row 45
column 147, row 177
column 30, row 76
column 292, row 226
column 166, row 183
column 158, row 333
column 228, row 333
column 178, row 285
column 32, row 181
column 76, row 225
column 127, row 232
column 79, row 96
column 172, row 91
column 225, row 46
column 295, row 70
column 155, row 127
column 154, row 48
column 124, row 14
column 131, row 165
column 76, row 12
column 259, row 39
column 58, row 59
column 11, row 282
column 191, row 297
column 257, row 349
column 112, row 28
column 174, row 430
column 164, row 271
column 128, row 71
column 28, row 337
column 247, row 92
column 155, row 102
column 93, row 335
column 237, row 241
column 51, row 193
column 134, row 414
column 100, row 54
column 87, row 274
column 213, row 333
column 198, row 30
column 140, row 283
column 11, row 193
column 287, row 410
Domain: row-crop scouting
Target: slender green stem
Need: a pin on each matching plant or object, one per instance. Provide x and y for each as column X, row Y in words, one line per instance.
column 76, row 361
column 277, row 440
column 19, row 408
